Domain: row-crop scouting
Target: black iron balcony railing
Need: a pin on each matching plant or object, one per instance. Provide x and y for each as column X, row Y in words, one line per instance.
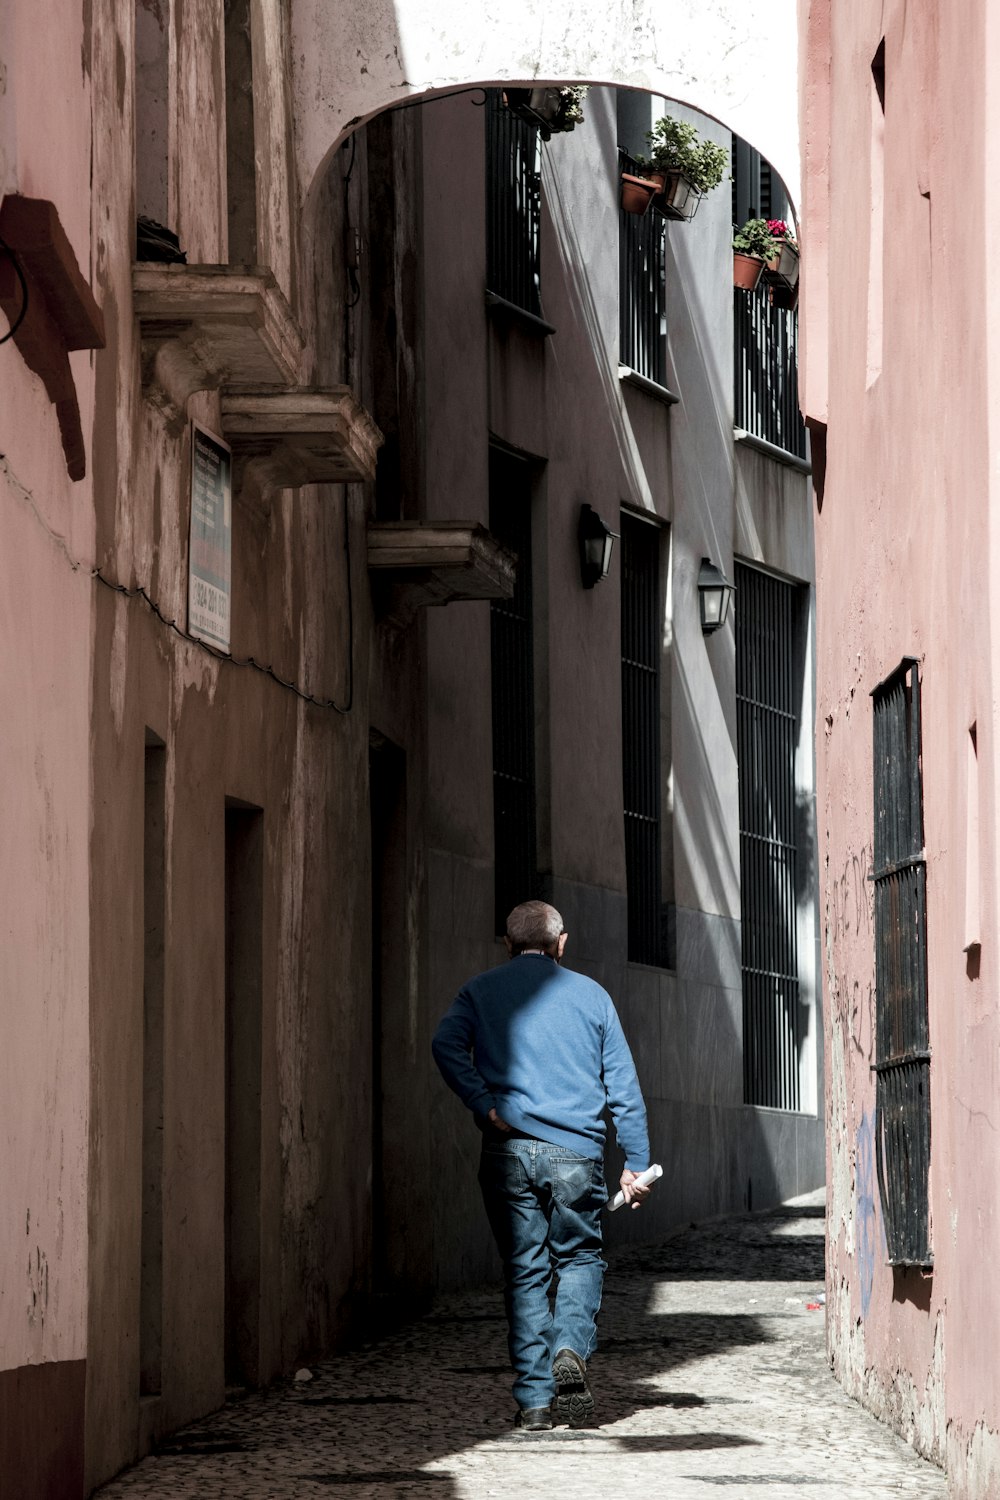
column 767, row 366
column 642, row 321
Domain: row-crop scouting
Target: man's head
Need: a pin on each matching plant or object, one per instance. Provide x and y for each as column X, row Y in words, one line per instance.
column 535, row 925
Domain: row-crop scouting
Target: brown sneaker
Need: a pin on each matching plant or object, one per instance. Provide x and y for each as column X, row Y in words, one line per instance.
column 574, row 1402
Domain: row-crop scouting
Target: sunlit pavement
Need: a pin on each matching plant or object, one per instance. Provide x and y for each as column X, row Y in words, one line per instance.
column 712, row 1376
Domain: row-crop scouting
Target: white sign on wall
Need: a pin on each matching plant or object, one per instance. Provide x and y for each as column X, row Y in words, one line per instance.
column 210, row 554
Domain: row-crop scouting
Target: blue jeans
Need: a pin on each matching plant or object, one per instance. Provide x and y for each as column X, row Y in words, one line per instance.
column 544, row 1206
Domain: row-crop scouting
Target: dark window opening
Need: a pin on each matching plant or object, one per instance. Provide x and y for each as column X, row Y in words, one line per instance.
column 641, row 770
column 511, row 640
column 902, row 1046
column 767, row 728
column 513, row 206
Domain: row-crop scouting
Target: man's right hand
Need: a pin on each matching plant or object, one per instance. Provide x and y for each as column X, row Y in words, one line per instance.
column 497, row 1123
column 633, row 1195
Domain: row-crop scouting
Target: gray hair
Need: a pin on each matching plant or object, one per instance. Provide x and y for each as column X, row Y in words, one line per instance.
column 534, row 924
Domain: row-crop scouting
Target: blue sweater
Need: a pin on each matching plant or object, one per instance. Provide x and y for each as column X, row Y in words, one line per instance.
column 549, row 1052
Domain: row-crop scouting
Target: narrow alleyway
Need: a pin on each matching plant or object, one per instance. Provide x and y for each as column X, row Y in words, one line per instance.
column 712, row 1376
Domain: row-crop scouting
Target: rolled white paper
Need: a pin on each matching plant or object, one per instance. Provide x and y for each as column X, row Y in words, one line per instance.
column 643, row 1180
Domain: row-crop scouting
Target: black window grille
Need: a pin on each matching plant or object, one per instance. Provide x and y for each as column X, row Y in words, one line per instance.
column 641, row 629
column 642, row 313
column 767, row 370
column 516, row 873
column 766, row 342
column 513, row 206
column 767, row 731
column 902, row 1048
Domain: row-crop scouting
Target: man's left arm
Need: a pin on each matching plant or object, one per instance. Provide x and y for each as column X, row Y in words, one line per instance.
column 621, row 1083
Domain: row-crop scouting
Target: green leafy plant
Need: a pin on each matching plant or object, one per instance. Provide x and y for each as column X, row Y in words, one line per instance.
column 676, row 146
column 755, row 238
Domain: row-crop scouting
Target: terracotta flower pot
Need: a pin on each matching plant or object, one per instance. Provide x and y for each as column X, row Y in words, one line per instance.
column 747, row 271
column 637, row 193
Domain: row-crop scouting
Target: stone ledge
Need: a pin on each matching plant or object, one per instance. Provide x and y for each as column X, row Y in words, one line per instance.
column 421, row 563
column 310, row 435
column 205, row 327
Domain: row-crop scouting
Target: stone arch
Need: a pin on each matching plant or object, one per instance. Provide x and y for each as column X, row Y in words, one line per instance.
column 736, row 60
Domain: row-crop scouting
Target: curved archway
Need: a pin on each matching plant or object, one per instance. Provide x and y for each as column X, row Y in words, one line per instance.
column 735, row 61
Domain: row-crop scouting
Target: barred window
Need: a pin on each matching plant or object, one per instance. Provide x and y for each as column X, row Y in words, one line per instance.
column 514, row 795
column 768, row 652
column 766, row 343
column 642, row 317
column 513, row 206
column 902, row 1048
column 641, row 630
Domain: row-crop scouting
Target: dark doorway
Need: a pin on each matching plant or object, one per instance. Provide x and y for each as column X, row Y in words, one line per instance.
column 394, row 1043
column 244, row 928
column 154, row 909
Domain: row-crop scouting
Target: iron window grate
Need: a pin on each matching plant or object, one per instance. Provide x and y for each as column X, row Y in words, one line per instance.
column 513, row 206
column 640, row 625
column 902, row 1046
column 767, row 370
column 767, row 733
column 642, row 311
column 766, row 336
column 513, row 693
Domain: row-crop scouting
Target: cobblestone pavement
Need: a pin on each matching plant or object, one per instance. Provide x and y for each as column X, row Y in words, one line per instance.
column 711, row 1380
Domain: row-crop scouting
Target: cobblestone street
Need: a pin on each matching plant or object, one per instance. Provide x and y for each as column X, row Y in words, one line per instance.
column 711, row 1377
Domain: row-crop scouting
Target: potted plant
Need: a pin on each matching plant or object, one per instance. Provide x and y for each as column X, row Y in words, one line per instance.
column 553, row 111
column 783, row 266
column 753, row 246
column 683, row 166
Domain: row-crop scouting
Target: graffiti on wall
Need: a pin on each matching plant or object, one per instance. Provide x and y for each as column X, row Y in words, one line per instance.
column 849, row 919
column 869, row 1229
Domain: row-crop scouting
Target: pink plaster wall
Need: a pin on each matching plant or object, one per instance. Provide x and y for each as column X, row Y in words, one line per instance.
column 898, row 353
column 46, row 530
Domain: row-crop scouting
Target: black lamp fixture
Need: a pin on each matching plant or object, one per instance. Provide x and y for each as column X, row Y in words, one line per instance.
column 714, row 594
column 596, row 541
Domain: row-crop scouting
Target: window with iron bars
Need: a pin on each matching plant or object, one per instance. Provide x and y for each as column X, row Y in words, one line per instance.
column 641, row 630
column 767, row 712
column 766, row 376
column 902, row 1046
column 642, row 312
column 513, row 206
column 513, row 692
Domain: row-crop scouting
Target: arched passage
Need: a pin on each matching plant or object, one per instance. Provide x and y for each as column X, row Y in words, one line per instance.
column 736, row 62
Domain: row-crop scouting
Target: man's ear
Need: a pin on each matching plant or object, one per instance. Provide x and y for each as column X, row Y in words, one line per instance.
column 509, row 946
column 561, row 945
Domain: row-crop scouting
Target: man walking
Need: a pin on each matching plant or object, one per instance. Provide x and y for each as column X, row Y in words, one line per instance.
column 536, row 1051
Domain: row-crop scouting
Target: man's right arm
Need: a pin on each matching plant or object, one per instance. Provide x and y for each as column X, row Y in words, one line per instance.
column 452, row 1048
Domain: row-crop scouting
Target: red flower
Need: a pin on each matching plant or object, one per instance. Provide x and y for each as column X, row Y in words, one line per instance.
column 778, row 228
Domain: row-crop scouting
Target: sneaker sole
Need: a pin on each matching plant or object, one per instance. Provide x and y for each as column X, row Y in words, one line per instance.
column 574, row 1401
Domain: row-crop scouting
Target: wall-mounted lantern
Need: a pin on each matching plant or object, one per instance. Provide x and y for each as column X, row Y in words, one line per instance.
column 714, row 594
column 596, row 543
